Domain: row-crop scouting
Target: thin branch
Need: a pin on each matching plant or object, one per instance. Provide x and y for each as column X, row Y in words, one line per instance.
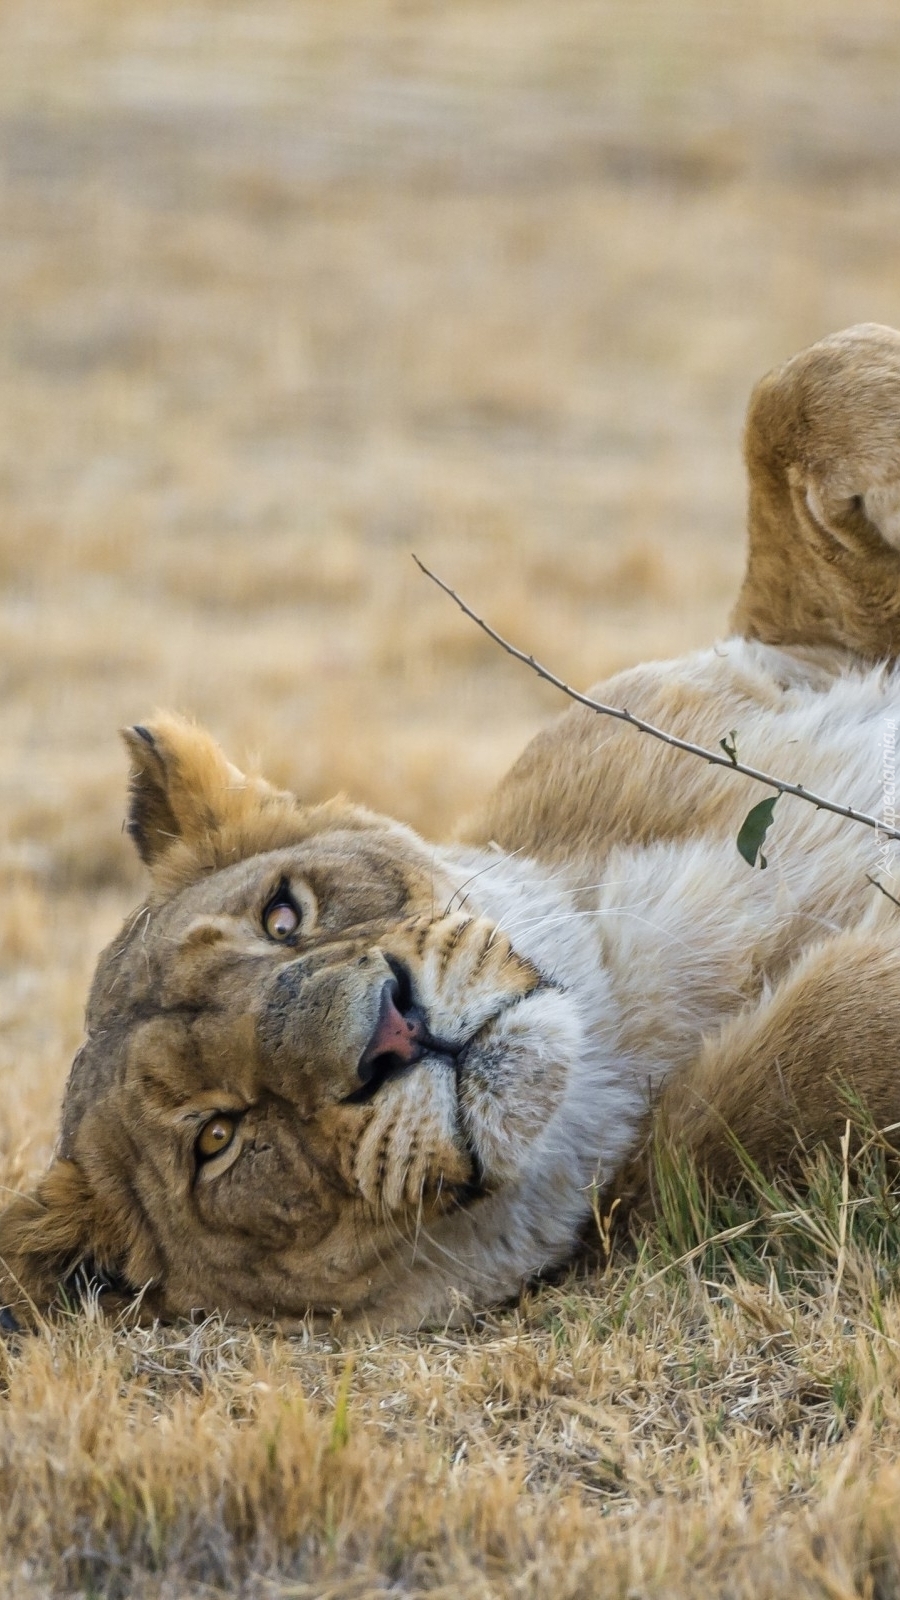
column 880, row 886
column 623, row 715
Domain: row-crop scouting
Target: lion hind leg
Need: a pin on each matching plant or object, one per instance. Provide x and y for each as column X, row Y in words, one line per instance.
column 822, row 448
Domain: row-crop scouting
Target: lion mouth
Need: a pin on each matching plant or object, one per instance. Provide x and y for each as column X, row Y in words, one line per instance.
column 400, row 1038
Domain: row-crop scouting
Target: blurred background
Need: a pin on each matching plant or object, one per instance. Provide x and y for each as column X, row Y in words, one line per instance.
column 292, row 288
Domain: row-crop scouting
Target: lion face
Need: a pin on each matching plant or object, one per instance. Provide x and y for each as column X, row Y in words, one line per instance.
column 302, row 1056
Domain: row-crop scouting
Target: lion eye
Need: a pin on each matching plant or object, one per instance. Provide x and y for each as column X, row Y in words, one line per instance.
column 216, row 1136
column 281, row 918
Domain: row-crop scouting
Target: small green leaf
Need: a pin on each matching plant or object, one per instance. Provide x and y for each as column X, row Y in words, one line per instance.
column 754, row 828
column 729, row 745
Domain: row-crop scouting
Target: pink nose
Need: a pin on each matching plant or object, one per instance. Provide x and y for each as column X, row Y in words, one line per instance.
column 397, row 1033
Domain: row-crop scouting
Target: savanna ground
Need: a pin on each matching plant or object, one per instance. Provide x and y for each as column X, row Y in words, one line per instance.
column 289, row 289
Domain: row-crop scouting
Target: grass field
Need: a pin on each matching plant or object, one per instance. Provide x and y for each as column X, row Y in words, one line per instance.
column 290, row 289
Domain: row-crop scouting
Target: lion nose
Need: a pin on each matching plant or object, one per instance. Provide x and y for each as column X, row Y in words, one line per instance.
column 400, row 1035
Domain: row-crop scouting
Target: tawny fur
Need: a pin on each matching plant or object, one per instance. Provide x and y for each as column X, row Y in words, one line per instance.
column 822, row 452
column 591, row 949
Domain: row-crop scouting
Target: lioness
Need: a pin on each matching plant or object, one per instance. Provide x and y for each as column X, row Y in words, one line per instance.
column 330, row 1066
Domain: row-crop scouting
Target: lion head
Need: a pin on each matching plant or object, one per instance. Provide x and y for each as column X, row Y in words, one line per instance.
column 312, row 1080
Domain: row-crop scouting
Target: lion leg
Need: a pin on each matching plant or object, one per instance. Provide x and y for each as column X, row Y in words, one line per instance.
column 822, row 449
column 784, row 1075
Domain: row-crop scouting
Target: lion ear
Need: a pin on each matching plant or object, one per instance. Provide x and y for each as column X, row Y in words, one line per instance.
column 45, row 1236
column 190, row 811
column 182, row 788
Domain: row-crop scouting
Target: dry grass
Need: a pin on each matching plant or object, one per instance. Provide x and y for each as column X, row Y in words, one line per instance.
column 287, row 291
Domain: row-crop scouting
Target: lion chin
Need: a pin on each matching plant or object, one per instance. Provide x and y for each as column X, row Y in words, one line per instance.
column 331, row 1068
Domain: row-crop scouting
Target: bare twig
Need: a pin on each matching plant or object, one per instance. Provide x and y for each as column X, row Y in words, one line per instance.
column 882, row 890
column 623, row 715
